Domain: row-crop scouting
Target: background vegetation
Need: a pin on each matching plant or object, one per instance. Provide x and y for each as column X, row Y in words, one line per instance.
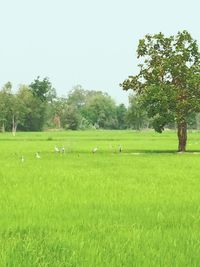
column 36, row 107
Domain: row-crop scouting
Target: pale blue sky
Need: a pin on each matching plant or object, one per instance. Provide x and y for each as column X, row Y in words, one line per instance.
column 87, row 42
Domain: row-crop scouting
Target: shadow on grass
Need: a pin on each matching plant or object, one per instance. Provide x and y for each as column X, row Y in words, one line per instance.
column 159, row 151
column 134, row 152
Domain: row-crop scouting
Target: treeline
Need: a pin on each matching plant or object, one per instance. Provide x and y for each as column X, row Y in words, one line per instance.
column 36, row 106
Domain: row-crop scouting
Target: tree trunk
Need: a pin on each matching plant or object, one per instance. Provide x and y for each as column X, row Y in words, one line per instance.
column 14, row 126
column 182, row 136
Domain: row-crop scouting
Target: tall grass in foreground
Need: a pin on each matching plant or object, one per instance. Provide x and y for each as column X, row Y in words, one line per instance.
column 140, row 207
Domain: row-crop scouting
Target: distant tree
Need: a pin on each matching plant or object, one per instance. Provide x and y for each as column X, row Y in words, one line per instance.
column 136, row 115
column 168, row 82
column 77, row 97
column 42, row 89
column 100, row 110
column 121, row 112
column 43, row 92
column 72, row 118
column 33, row 109
column 57, row 112
column 18, row 111
column 93, row 108
column 36, row 118
column 5, row 105
column 51, row 95
column 85, row 124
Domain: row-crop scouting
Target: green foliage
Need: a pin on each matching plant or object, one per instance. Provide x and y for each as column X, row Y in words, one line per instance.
column 136, row 115
column 169, row 78
column 43, row 92
column 92, row 108
column 5, row 106
column 121, row 112
column 100, row 110
column 42, row 89
column 33, row 110
column 77, row 97
column 35, row 107
column 72, row 118
column 85, row 124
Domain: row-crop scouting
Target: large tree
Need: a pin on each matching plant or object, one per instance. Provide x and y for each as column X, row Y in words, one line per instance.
column 168, row 82
column 43, row 93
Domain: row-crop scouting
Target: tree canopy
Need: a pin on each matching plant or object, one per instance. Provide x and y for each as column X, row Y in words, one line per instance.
column 36, row 107
column 168, row 82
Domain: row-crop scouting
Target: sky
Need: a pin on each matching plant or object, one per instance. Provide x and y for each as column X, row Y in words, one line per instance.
column 87, row 42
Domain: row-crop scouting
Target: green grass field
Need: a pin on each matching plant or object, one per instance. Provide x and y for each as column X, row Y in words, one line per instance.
column 140, row 207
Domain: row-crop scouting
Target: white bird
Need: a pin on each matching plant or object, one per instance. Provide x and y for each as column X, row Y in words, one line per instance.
column 22, row 158
column 56, row 149
column 94, row 150
column 37, row 155
column 63, row 149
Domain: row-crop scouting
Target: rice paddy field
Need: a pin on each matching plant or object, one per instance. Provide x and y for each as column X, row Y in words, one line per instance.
column 140, row 207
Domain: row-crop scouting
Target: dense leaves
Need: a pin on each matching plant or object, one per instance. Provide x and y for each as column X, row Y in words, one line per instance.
column 35, row 107
column 168, row 82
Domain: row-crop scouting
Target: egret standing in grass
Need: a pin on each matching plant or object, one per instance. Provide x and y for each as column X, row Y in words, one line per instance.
column 56, row 149
column 22, row 159
column 63, row 150
column 94, row 150
column 37, row 155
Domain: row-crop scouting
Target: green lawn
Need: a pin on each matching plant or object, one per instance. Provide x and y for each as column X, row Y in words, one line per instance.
column 140, row 207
